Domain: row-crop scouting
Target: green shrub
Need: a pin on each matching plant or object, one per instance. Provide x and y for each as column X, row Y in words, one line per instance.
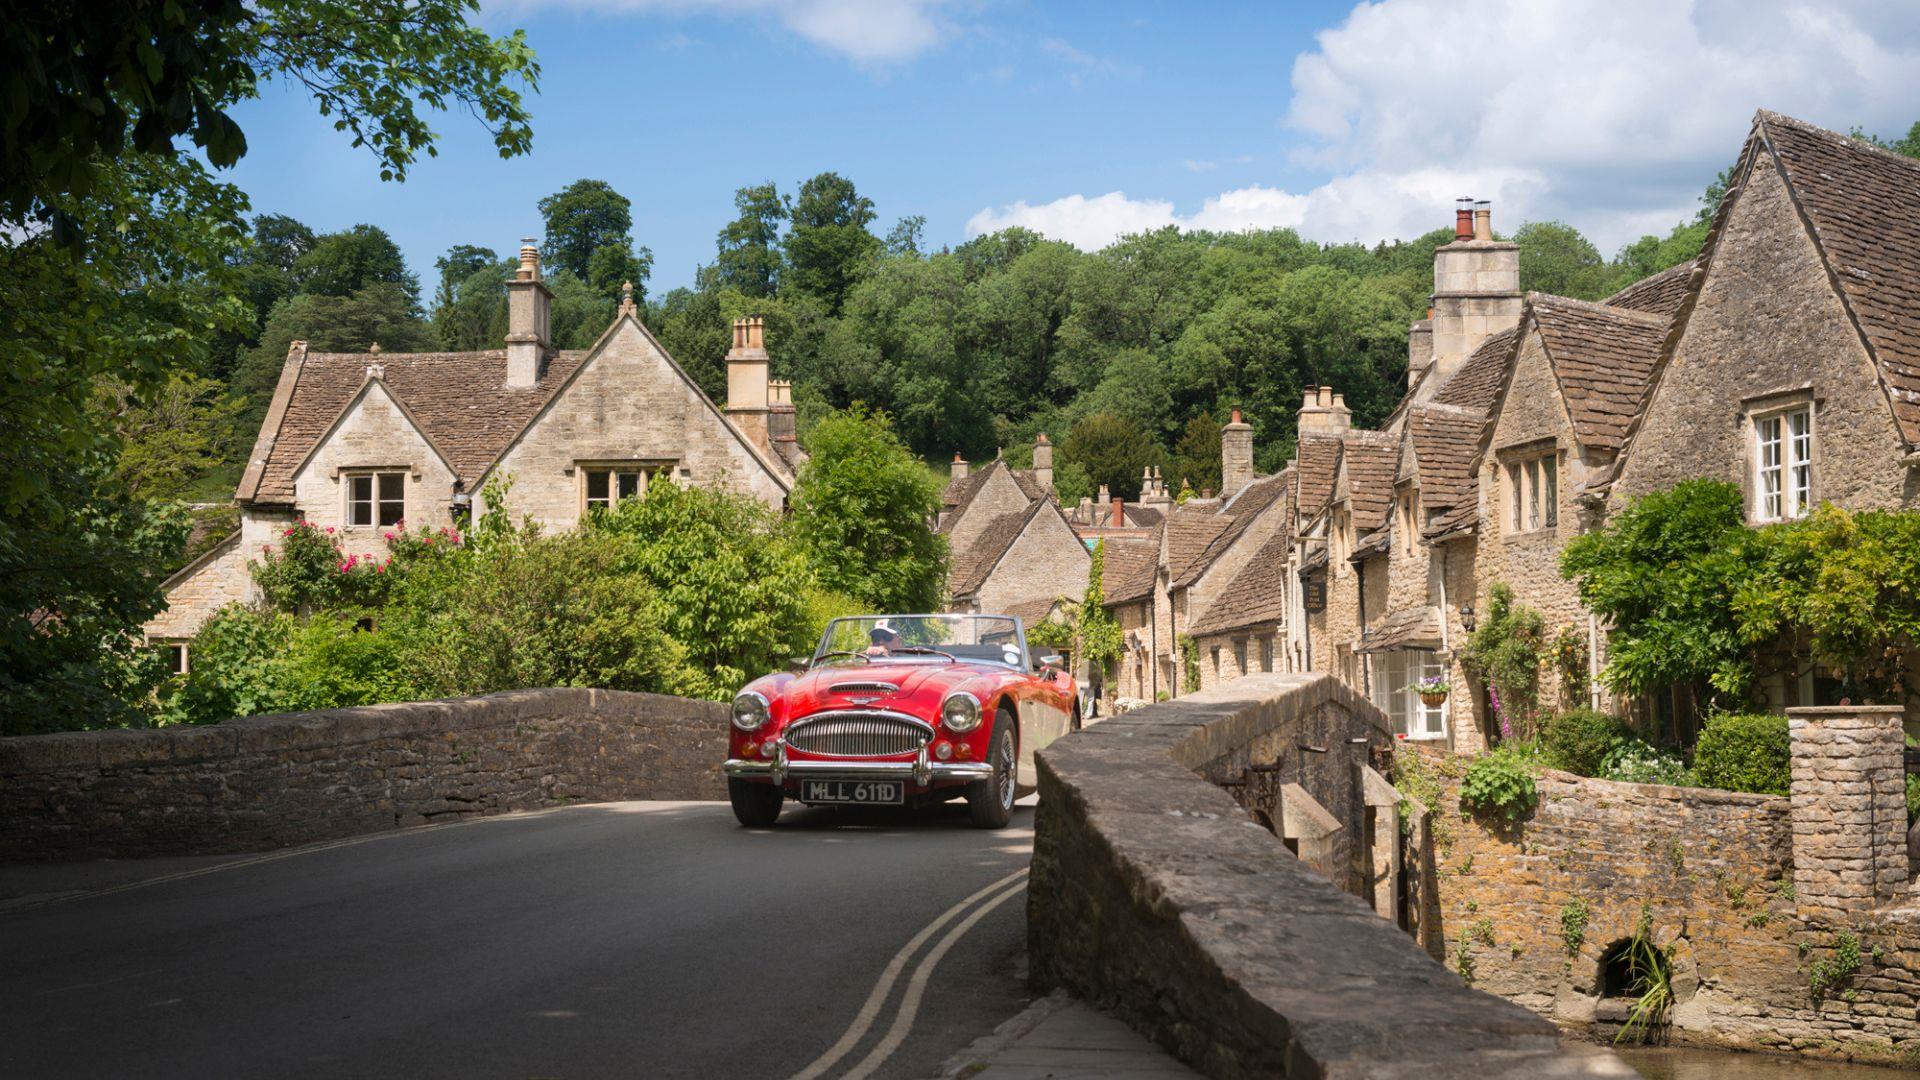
column 1579, row 741
column 1500, row 785
column 1744, row 752
column 1633, row 761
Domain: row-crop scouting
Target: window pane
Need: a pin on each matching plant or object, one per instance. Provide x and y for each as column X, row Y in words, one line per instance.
column 1266, row 654
column 1513, row 484
column 597, row 487
column 629, row 484
column 1533, row 494
column 1550, row 475
column 1768, row 432
column 359, row 500
column 393, row 503
column 1800, row 456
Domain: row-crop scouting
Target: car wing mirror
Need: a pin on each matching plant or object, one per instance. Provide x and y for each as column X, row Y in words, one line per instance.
column 1052, row 660
column 798, row 664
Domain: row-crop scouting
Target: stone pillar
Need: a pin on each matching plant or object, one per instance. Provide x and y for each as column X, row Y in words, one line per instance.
column 1849, row 807
column 748, row 395
column 1043, row 462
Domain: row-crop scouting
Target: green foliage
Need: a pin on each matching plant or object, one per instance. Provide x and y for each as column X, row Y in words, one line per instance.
column 168, row 436
column 1505, row 650
column 1828, row 973
column 1556, row 259
column 1050, row 634
column 1189, row 664
column 1663, row 574
column 860, row 512
column 1113, row 452
column 1573, row 924
column 749, row 257
column 1745, row 752
column 590, row 235
column 1633, row 761
column 1581, row 740
column 828, row 246
column 1500, row 785
column 1650, row 969
column 1196, row 455
column 343, row 263
column 1101, row 640
column 1843, row 587
column 1570, row 664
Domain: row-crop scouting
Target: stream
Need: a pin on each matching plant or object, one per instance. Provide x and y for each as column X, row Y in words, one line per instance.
column 1688, row 1063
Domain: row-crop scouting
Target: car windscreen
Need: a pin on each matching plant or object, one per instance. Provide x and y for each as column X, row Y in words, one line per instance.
column 992, row 639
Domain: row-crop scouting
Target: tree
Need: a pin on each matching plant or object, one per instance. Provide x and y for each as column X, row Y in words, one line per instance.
column 828, row 246
column 582, row 218
column 344, row 263
column 168, row 437
column 460, row 262
column 611, row 269
column 1556, row 259
column 907, row 236
column 749, row 257
column 860, row 513
column 1113, row 451
column 381, row 313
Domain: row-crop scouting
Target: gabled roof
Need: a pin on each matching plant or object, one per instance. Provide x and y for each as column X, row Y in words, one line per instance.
column 1189, row 531
column 1368, row 459
column 972, row 567
column 961, row 490
column 1477, row 382
column 1445, row 439
column 1862, row 205
column 1660, row 294
column 1240, row 510
column 1256, row 596
column 1315, row 463
column 1603, row 358
column 1129, row 569
column 459, row 400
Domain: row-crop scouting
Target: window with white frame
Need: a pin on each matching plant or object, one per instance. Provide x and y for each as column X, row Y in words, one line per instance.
column 1533, row 492
column 604, row 487
column 1394, row 675
column 376, row 498
column 1783, row 464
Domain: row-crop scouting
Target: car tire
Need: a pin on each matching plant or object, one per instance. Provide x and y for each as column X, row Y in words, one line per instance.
column 990, row 801
column 1075, row 725
column 756, row 805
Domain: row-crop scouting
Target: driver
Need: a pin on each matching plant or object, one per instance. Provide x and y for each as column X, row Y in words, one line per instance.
column 881, row 640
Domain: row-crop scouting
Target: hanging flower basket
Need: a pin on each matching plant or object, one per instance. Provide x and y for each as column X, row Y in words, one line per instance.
column 1433, row 691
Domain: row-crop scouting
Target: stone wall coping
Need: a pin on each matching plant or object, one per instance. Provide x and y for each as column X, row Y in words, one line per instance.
column 1702, row 795
column 1845, row 710
column 1249, row 962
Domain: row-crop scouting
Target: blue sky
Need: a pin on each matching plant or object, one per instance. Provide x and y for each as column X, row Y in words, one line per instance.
column 1090, row 120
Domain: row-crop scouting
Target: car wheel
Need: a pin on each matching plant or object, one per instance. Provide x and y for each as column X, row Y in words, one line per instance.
column 1075, row 726
column 990, row 801
column 756, row 805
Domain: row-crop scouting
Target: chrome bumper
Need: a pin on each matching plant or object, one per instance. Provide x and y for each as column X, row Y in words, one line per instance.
column 922, row 770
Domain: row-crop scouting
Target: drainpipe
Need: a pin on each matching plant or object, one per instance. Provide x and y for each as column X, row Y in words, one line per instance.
column 1360, row 602
column 1593, row 661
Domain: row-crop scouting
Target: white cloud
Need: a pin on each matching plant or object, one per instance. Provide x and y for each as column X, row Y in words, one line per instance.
column 865, row 31
column 1608, row 114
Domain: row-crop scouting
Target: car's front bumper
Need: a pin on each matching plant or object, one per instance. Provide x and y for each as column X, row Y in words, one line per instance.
column 922, row 770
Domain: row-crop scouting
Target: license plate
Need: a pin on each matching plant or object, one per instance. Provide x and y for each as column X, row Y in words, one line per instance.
column 882, row 792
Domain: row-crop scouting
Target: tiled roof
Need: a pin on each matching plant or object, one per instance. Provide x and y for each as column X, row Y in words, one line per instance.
column 1445, row 439
column 1029, row 484
column 961, row 489
column 1256, row 596
column 1246, row 504
column 1144, row 517
column 1315, row 559
column 1370, row 457
column 1603, row 357
column 1031, row 612
column 972, row 567
column 1477, row 382
column 1129, row 568
column 1316, row 460
column 1374, row 543
column 1864, row 205
column 1657, row 295
column 459, row 399
column 1190, row 529
column 1403, row 627
column 1462, row 517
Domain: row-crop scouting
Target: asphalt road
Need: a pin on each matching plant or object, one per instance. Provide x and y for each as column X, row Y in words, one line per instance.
column 613, row 940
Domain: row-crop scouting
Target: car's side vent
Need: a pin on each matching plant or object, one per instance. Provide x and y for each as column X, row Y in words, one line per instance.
column 843, row 734
column 872, row 687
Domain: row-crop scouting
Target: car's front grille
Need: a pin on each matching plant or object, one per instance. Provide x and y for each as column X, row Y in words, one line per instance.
column 858, row 734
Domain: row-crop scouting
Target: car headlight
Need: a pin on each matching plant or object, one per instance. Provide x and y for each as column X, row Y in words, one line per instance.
column 960, row 712
column 749, row 711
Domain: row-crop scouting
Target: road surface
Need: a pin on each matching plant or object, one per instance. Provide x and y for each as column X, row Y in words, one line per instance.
column 611, row 940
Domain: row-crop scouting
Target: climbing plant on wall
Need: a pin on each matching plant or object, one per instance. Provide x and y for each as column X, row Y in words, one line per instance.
column 1506, row 651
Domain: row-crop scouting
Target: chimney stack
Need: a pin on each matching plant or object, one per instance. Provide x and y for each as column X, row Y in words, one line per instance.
column 960, row 468
column 1119, row 519
column 749, row 397
column 1153, row 488
column 1084, row 515
column 1419, row 348
column 782, row 426
column 1236, row 455
column 1043, row 461
column 529, row 312
column 1476, row 291
column 1324, row 412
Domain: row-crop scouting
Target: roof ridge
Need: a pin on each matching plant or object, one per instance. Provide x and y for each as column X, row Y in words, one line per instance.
column 1766, row 116
column 1597, row 307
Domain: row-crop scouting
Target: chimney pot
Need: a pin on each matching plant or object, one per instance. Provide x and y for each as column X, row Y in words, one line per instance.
column 1236, row 416
column 1482, row 221
column 1463, row 218
column 1119, row 519
column 1326, row 396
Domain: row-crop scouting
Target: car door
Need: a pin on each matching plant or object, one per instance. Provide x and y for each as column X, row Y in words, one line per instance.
column 1046, row 712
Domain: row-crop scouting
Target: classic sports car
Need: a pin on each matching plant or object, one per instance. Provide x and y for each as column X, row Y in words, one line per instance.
column 901, row 710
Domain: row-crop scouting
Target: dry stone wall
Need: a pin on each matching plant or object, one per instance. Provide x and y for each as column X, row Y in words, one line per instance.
column 271, row 781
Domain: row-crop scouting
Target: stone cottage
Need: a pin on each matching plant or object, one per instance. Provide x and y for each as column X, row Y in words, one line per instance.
column 360, row 442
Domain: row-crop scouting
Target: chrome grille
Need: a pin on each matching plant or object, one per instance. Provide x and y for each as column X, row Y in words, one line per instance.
column 858, row 734
column 871, row 687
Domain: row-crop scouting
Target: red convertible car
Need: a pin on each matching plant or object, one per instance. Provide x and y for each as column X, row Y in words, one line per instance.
column 901, row 710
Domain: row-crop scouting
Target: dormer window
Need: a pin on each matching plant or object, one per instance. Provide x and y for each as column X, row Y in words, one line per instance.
column 376, row 498
column 1408, row 524
column 1783, row 464
column 1533, row 492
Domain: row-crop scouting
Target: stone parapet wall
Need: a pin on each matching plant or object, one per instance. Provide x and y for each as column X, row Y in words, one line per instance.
column 1849, row 807
column 271, row 781
column 1154, row 896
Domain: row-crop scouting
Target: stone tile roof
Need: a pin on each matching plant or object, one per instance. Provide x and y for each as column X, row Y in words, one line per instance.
column 1145, row 517
column 1246, row 504
column 1030, row 612
column 1374, row 543
column 1445, row 440
column 1256, row 596
column 972, row 567
column 1369, row 458
column 1315, row 462
column 1129, row 569
column 1315, row 559
column 961, row 489
column 1403, row 627
column 1864, row 206
column 459, row 399
column 1189, row 531
column 1477, row 382
column 1604, row 359
column 1657, row 295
